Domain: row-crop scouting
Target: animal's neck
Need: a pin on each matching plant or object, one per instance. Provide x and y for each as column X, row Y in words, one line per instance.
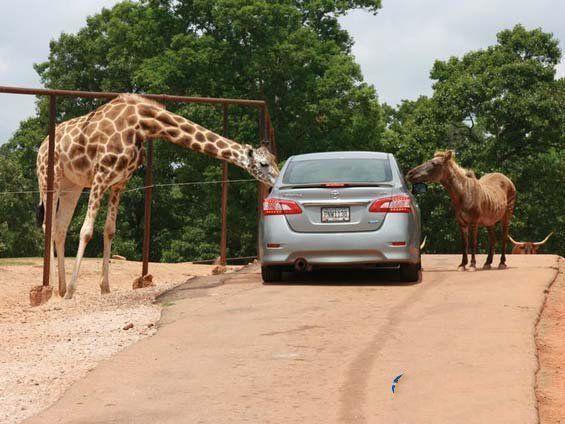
column 185, row 133
column 456, row 182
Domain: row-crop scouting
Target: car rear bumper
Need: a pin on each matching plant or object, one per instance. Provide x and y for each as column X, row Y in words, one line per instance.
column 340, row 248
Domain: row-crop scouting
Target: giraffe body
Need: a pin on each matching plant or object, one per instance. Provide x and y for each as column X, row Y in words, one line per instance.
column 102, row 150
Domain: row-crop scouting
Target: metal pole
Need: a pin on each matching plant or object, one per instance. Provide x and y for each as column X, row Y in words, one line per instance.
column 50, row 177
column 148, row 193
column 224, row 238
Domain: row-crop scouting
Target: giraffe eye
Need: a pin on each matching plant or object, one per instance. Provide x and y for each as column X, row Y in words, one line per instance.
column 264, row 164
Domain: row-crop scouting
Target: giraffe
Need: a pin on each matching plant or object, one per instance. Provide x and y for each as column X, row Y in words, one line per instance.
column 102, row 149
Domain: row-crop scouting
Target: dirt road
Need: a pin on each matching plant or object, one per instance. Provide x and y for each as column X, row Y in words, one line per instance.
column 326, row 351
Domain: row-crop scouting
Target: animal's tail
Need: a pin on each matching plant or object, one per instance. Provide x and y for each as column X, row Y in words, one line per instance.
column 39, row 214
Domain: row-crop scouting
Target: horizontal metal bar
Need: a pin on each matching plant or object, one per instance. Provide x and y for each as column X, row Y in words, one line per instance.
column 111, row 95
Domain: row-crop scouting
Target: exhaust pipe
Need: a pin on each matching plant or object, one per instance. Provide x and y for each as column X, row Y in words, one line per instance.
column 300, row 265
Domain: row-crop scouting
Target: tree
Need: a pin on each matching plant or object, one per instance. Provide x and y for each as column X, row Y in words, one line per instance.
column 501, row 109
column 291, row 53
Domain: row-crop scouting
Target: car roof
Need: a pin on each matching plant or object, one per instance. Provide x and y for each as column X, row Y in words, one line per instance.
column 341, row 155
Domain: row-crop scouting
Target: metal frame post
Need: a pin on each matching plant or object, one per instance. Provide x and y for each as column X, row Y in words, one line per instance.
column 148, row 194
column 50, row 178
column 224, row 237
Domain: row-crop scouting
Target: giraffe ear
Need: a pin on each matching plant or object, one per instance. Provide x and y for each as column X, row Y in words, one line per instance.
column 449, row 154
column 249, row 151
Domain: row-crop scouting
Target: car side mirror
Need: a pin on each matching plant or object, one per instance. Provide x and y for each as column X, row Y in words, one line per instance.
column 419, row 188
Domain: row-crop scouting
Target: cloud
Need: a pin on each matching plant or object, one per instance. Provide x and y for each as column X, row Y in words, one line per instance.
column 397, row 48
column 26, row 28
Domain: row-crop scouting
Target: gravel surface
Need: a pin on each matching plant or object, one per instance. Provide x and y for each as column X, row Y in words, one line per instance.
column 43, row 350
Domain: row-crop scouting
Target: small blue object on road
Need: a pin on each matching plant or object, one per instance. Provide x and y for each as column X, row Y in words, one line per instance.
column 395, row 381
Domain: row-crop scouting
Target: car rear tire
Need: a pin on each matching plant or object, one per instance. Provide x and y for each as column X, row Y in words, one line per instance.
column 271, row 274
column 410, row 272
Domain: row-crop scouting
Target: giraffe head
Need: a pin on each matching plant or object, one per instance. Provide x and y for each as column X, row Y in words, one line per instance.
column 261, row 164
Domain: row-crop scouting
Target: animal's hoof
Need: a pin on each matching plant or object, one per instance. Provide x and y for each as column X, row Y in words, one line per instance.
column 487, row 266
column 104, row 291
column 472, row 269
column 502, row 266
column 69, row 294
column 461, row 268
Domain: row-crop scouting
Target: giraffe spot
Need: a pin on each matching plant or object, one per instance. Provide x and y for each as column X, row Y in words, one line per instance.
column 200, row 137
column 147, row 111
column 66, row 143
column 221, row 144
column 196, row 146
column 74, row 132
column 115, row 111
column 227, row 154
column 210, row 148
column 121, row 164
column 178, row 119
column 167, row 119
column 184, row 141
column 81, row 163
column 109, row 160
column 173, row 132
column 150, row 126
column 200, row 128
column 120, row 123
column 187, row 128
column 76, row 150
column 131, row 118
column 89, row 128
column 107, row 127
column 211, row 136
column 115, row 144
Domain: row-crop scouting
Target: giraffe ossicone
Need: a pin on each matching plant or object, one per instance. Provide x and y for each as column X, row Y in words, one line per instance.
column 101, row 151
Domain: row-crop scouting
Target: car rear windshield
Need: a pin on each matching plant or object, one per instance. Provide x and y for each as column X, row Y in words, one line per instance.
column 338, row 171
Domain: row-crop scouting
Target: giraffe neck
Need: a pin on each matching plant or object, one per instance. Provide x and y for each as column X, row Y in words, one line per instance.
column 157, row 122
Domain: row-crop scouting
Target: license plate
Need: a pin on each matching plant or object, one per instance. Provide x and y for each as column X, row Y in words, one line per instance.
column 335, row 214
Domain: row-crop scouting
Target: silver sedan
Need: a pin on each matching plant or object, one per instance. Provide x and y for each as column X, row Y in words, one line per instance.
column 339, row 209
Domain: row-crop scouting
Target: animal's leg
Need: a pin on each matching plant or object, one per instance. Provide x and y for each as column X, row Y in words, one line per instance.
column 109, row 231
column 67, row 203
column 492, row 242
column 96, row 194
column 502, row 264
column 465, row 245
column 474, row 234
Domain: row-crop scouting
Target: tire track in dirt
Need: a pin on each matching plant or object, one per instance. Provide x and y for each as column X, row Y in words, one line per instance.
column 354, row 389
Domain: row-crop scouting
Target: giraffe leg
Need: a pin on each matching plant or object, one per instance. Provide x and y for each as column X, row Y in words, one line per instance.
column 492, row 242
column 67, row 203
column 109, row 231
column 96, row 194
column 474, row 235
column 465, row 245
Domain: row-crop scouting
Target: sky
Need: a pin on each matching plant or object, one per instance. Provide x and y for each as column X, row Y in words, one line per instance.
column 396, row 48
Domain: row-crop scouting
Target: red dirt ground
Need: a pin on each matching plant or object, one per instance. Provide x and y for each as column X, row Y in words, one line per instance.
column 550, row 341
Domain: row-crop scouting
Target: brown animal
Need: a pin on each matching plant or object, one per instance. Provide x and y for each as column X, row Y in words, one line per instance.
column 478, row 202
column 527, row 247
column 102, row 149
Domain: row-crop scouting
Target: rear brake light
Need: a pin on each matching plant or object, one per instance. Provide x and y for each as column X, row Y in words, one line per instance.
column 330, row 185
column 392, row 204
column 280, row 207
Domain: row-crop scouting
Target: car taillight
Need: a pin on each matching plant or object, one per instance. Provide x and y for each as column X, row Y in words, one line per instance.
column 392, row 204
column 280, row 207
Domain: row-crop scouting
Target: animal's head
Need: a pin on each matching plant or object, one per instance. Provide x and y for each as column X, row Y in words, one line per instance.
column 261, row 164
column 431, row 171
column 527, row 247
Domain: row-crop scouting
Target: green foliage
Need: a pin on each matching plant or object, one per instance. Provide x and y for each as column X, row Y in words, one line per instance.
column 502, row 110
column 292, row 53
